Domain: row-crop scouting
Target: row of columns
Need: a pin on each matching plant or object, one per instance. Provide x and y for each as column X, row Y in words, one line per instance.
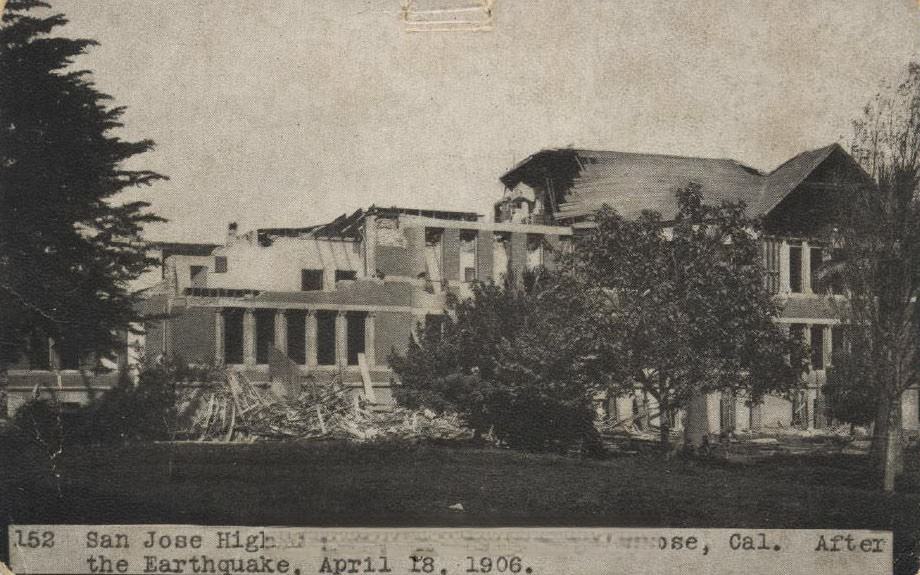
column 806, row 267
column 311, row 336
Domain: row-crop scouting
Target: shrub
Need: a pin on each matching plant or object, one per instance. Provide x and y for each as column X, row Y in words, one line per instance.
column 514, row 362
column 128, row 412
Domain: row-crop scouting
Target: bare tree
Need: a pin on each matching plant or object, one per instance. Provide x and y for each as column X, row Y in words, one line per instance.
column 878, row 261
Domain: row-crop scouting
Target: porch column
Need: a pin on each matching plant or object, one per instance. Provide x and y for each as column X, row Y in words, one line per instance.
column 806, row 267
column 249, row 337
column 810, row 376
column 311, row 331
column 341, row 339
column 784, row 267
column 219, row 327
column 281, row 331
column 370, row 337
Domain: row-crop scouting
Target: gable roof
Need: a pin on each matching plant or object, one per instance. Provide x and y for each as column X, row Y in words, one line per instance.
column 633, row 182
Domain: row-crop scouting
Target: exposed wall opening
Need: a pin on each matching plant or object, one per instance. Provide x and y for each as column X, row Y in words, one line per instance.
column 468, row 255
column 265, row 334
column 311, row 280
column 198, row 276
column 233, row 335
column 501, row 256
column 534, row 251
column 325, row 337
column 220, row 264
column 356, row 323
column 795, row 269
column 434, row 253
column 345, row 275
column 297, row 336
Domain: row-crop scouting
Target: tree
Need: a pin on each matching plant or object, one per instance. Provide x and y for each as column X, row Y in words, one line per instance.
column 67, row 248
column 877, row 261
column 517, row 362
column 688, row 309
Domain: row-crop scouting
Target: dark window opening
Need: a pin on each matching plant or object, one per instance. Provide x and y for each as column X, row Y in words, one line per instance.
column 816, row 258
column 817, row 347
column 355, row 336
column 39, row 352
column 345, row 275
column 795, row 269
column 297, row 337
column 233, row 336
column 220, row 264
column 265, row 334
column 199, row 276
column 325, row 337
column 311, row 280
column 69, row 354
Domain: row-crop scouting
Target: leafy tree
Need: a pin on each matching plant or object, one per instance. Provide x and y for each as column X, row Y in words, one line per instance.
column 516, row 362
column 877, row 261
column 67, row 248
column 688, row 311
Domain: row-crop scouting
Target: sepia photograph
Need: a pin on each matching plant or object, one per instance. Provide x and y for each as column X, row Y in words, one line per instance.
column 555, row 273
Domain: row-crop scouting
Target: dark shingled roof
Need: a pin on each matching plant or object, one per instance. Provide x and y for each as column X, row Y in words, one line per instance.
column 632, row 182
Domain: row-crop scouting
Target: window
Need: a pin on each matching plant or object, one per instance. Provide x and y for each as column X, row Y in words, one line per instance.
column 355, row 336
column 325, row 337
column 341, row 275
column 69, row 355
column 265, row 334
column 199, row 276
column 39, row 352
column 816, row 258
column 233, row 336
column 795, row 269
column 817, row 347
column 311, row 280
column 220, row 264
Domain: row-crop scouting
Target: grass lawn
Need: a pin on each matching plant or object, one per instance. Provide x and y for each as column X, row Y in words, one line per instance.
column 335, row 484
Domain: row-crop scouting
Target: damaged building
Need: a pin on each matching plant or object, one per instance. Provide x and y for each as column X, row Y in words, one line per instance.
column 333, row 299
column 337, row 298
column 797, row 201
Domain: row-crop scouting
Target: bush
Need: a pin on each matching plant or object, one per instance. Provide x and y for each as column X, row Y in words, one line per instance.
column 510, row 361
column 126, row 413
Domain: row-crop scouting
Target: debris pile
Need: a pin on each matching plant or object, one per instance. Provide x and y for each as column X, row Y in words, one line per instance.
column 234, row 409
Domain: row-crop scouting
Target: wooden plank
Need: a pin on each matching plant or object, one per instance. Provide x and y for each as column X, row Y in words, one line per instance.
column 366, row 378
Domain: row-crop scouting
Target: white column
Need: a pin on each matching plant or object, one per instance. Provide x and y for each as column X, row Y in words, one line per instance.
column 281, row 331
column 219, row 327
column 341, row 339
column 806, row 267
column 310, row 333
column 249, row 337
column 784, row 267
column 370, row 339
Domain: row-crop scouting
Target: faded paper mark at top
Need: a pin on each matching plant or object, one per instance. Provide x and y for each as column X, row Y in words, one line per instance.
column 447, row 15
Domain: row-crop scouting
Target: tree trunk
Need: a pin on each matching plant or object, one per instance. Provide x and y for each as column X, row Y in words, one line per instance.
column 889, row 461
column 4, row 390
column 664, row 427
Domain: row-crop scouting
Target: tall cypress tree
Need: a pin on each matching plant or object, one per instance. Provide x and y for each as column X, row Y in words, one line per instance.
column 68, row 247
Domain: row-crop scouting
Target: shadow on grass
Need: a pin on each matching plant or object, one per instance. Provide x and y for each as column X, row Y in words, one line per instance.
column 340, row 484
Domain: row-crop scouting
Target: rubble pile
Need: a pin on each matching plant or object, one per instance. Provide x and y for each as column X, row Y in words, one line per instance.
column 234, row 409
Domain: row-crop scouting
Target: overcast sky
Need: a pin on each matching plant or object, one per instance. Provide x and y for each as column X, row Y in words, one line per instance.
column 290, row 112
